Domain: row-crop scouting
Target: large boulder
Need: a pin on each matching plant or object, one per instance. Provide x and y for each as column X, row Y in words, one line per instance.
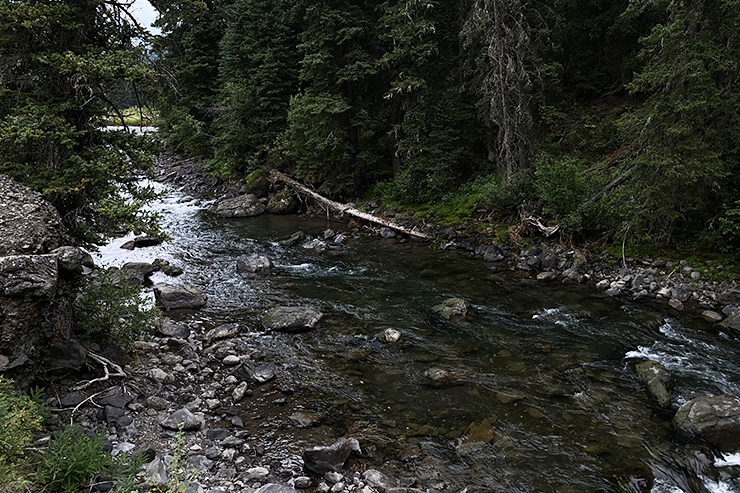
column 242, row 206
column 39, row 280
column 715, row 419
column 292, row 318
column 28, row 223
column 171, row 297
column 283, row 202
column 324, row 459
column 657, row 381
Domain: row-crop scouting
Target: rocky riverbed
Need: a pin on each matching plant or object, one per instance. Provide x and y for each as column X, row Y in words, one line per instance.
column 244, row 388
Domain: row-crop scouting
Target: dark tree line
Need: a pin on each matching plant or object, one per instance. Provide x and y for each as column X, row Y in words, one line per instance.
column 612, row 117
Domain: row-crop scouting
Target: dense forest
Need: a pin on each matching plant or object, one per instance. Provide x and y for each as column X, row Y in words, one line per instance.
column 612, row 118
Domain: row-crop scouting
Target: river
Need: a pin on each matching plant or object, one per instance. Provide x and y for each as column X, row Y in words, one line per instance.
column 545, row 396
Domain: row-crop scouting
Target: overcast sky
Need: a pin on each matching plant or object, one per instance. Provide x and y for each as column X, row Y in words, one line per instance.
column 145, row 14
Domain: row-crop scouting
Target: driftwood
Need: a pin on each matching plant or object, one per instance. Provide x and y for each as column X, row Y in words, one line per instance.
column 345, row 209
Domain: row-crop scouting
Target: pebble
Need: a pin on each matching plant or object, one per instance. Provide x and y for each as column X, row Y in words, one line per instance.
column 231, row 360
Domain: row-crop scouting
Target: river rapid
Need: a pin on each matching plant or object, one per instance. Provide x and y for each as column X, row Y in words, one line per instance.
column 544, row 395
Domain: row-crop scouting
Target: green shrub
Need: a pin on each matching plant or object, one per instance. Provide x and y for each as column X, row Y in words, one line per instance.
column 20, row 417
column 72, row 459
column 111, row 310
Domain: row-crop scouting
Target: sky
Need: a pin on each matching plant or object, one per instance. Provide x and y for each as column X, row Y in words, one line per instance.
column 145, row 14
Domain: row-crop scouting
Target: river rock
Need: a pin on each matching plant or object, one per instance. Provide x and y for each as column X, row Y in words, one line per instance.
column 276, row 488
column 732, row 323
column 293, row 239
column 141, row 271
column 147, row 241
column 390, row 335
column 242, row 206
column 172, row 297
column 711, row 316
column 283, row 202
column 252, row 372
column 302, row 419
column 184, row 418
column 377, row 480
column 324, row 459
column 292, row 318
column 442, row 377
column 223, row 331
column 453, row 307
column 253, row 264
column 259, row 187
column 170, row 328
column 656, row 380
column 714, row 419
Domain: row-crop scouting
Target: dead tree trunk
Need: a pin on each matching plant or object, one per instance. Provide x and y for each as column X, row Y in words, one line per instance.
column 345, row 209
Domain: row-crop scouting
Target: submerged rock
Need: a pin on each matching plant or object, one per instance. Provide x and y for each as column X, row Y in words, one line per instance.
column 714, row 419
column 293, row 239
column 324, row 459
column 292, row 318
column 442, row 377
column 172, row 297
column 656, row 380
column 453, row 307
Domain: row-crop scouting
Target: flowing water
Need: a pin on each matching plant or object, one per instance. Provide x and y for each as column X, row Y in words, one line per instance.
column 545, row 397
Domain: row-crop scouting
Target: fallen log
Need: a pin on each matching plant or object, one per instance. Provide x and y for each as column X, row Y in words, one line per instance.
column 345, row 209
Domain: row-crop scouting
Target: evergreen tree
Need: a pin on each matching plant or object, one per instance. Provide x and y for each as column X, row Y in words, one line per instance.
column 687, row 131
column 258, row 75
column 60, row 64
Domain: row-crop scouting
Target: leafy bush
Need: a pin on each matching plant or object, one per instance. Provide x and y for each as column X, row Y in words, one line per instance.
column 20, row 417
column 74, row 458
column 111, row 310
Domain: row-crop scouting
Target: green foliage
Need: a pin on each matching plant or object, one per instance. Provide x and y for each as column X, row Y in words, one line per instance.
column 20, row 417
column 112, row 310
column 73, row 459
column 67, row 62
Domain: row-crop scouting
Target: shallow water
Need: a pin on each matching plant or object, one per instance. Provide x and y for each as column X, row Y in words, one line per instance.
column 546, row 398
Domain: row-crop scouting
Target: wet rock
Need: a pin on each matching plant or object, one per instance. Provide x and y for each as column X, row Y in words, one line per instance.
column 442, row 377
column 656, row 380
column 732, row 323
column 378, row 480
column 390, row 336
column 252, row 372
column 676, row 304
column 714, row 419
column 323, row 459
column 546, row 276
column 65, row 356
column 275, row 488
column 217, row 434
column 711, row 316
column 138, row 271
column 337, row 488
column 160, row 375
column 303, row 419
column 730, row 297
column 283, row 202
column 147, row 241
column 224, row 331
column 253, row 264
column 315, row 244
column 292, row 318
column 603, row 285
column 182, row 418
column 293, row 239
column 453, row 307
column 387, row 233
column 242, row 206
column 256, row 473
column 574, row 274
column 172, row 297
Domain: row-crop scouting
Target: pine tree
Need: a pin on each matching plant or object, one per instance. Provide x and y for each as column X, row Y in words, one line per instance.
column 61, row 63
column 258, row 75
